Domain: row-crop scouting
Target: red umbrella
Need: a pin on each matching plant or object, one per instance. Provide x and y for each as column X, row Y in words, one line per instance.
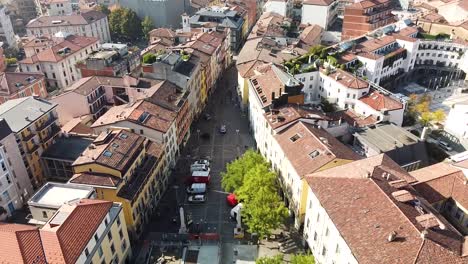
column 231, row 199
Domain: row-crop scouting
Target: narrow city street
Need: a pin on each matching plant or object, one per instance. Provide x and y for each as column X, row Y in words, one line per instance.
column 213, row 215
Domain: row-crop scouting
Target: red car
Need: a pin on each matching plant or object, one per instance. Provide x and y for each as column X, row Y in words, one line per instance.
column 232, row 200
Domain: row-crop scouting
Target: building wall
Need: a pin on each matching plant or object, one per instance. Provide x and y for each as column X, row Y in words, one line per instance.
column 6, row 29
column 38, row 88
column 58, row 9
column 278, row 7
column 98, row 29
column 163, row 13
column 454, row 124
column 70, row 105
column 322, row 236
column 10, row 198
column 315, row 14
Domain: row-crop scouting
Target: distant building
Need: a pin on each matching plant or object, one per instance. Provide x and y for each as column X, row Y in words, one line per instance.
column 282, row 7
column 22, row 9
column 319, row 12
column 54, row 7
column 92, row 95
column 218, row 18
column 35, row 124
column 45, row 203
column 110, row 60
column 57, row 160
column 399, row 144
column 15, row 186
column 6, row 28
column 163, row 13
column 15, row 85
column 87, row 24
column 58, row 62
column 368, row 15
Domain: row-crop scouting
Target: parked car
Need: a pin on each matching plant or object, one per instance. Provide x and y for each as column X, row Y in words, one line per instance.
column 202, row 161
column 198, row 198
column 445, row 146
column 196, row 188
column 222, row 129
column 199, row 167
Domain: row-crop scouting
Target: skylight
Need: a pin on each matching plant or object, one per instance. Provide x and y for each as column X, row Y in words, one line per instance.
column 107, row 153
column 123, row 136
column 295, row 137
column 314, row 154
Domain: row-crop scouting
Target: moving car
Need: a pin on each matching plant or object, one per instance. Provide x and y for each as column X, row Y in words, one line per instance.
column 196, row 188
column 222, row 129
column 445, row 146
column 199, row 167
column 202, row 161
column 198, row 198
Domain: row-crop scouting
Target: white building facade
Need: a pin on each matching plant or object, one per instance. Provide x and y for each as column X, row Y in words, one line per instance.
column 88, row 24
column 319, row 12
column 282, row 7
column 457, row 121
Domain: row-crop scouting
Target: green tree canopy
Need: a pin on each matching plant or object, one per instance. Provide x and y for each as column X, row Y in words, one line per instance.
column 233, row 178
column 278, row 259
column 302, row 259
column 104, row 9
column 149, row 58
column 125, row 24
column 146, row 26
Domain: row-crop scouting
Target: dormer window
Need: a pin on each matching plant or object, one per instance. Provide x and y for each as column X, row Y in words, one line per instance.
column 295, row 137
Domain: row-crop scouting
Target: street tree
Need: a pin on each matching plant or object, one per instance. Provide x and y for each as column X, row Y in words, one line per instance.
column 124, row 24
column 149, row 58
column 233, row 178
column 263, row 209
column 146, row 26
column 278, row 259
column 438, row 115
column 104, row 9
column 302, row 259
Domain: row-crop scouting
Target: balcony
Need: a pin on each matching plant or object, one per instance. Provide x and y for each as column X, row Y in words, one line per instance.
column 99, row 93
column 28, row 137
column 32, row 149
column 53, row 131
column 46, row 124
column 134, row 186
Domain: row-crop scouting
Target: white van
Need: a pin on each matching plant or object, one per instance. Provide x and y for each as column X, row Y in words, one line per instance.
column 196, row 188
column 236, row 210
column 199, row 167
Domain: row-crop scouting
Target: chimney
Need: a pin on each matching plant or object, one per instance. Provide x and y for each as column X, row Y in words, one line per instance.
column 392, row 236
column 280, row 91
column 272, row 96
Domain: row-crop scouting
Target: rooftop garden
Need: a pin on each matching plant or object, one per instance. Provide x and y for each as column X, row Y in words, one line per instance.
column 316, row 57
column 440, row 36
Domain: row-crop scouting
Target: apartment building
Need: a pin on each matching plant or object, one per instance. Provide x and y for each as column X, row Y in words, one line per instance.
column 110, row 60
column 182, row 70
column 45, row 203
column 7, row 34
column 219, row 18
column 319, row 12
column 54, row 7
column 91, row 24
column 92, row 95
column 15, row 186
column 281, row 7
column 158, row 123
column 396, row 223
column 126, row 168
column 365, row 16
column 83, row 231
column 451, row 202
column 22, row 9
column 14, row 85
column 35, row 125
column 58, row 62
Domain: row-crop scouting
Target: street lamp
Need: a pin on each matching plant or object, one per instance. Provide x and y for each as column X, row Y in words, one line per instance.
column 237, row 132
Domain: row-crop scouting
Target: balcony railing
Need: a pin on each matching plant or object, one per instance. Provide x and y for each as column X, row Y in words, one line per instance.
column 54, row 130
column 99, row 94
column 46, row 124
column 28, row 137
column 134, row 186
column 33, row 149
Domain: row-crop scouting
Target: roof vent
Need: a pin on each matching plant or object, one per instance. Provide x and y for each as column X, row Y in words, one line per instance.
column 427, row 220
column 403, row 196
column 391, row 237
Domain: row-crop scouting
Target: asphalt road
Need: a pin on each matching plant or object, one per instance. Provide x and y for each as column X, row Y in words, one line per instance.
column 213, row 215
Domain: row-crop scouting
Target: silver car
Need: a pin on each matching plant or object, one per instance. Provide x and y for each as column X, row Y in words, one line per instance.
column 198, row 198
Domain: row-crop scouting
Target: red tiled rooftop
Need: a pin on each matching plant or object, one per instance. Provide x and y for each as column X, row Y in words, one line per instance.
column 20, row 244
column 379, row 101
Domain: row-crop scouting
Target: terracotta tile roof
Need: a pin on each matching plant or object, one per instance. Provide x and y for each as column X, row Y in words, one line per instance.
column 346, row 57
column 311, row 34
column 51, row 54
column 84, row 18
column 159, row 118
column 356, row 120
column 64, row 239
column 269, row 24
column 278, row 118
column 312, row 148
column 462, row 164
column 379, row 101
column 162, row 33
column 408, row 31
column 20, row 244
column 362, row 190
column 375, row 44
column 368, row 3
column 348, row 80
column 167, row 95
column 440, row 182
column 12, row 82
column 432, row 252
column 117, row 150
column 97, row 179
